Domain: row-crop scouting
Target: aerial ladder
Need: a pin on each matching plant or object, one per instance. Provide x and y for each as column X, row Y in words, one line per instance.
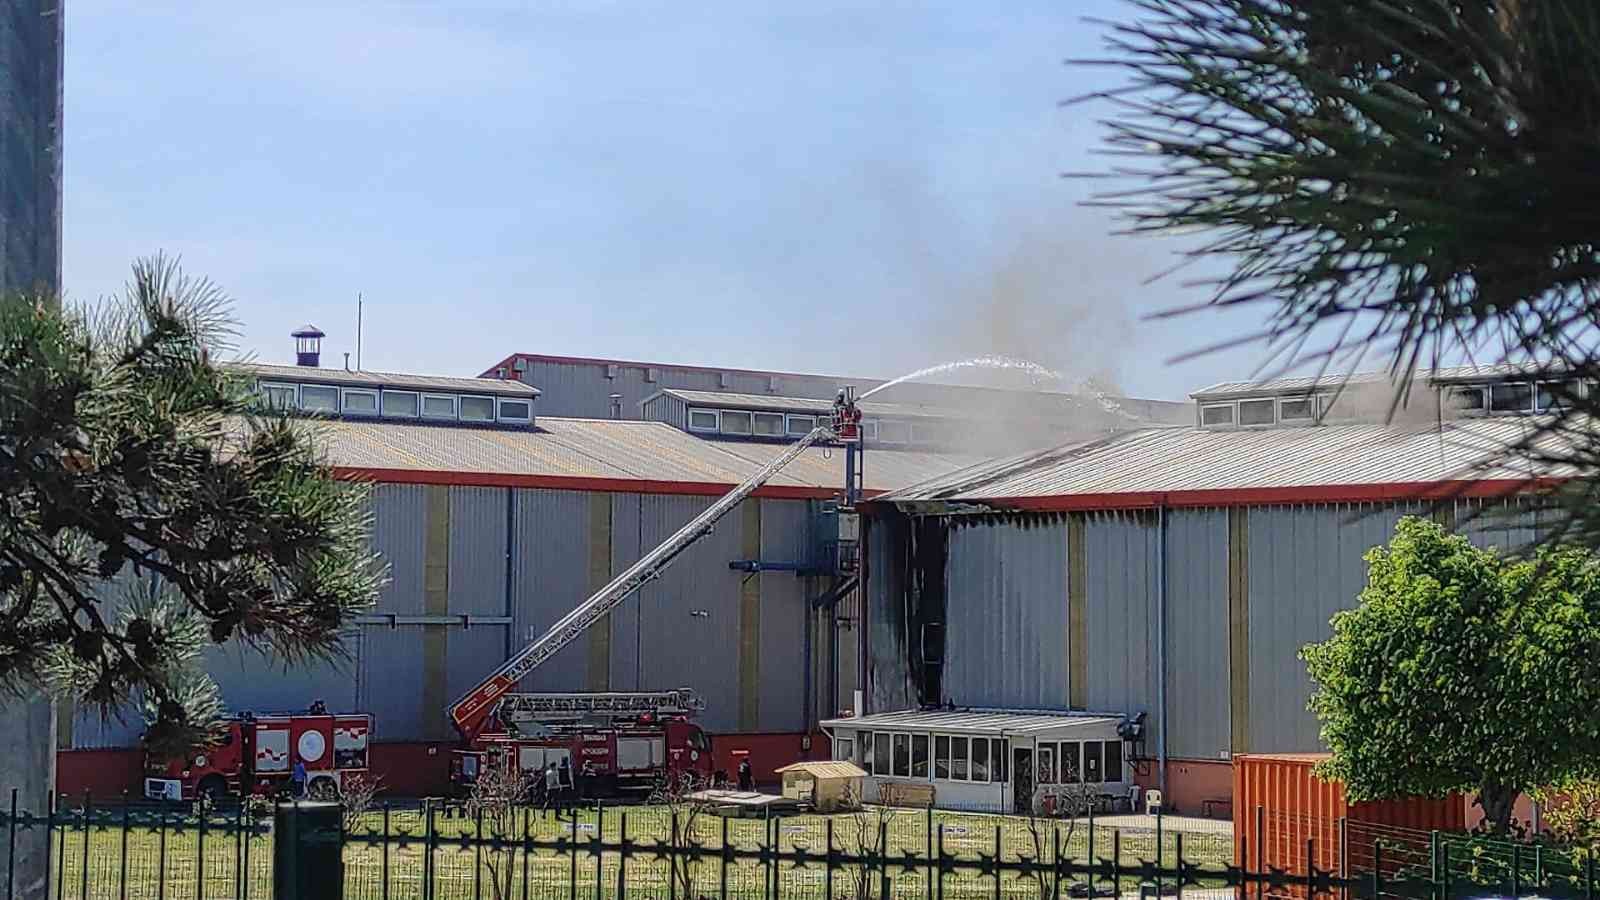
column 470, row 713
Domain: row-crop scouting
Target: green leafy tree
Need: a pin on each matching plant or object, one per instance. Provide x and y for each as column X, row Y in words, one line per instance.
column 1395, row 182
column 150, row 506
column 1462, row 671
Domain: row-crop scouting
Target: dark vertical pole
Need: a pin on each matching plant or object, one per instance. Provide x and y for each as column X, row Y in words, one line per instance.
column 672, row 861
column 1445, row 867
column 122, row 867
column 1344, row 857
column 200, row 853
column 161, row 858
column 1116, row 862
column 883, row 856
column 427, row 849
column 1588, row 878
column 1433, row 856
column 600, row 857
column 1377, row 869
column 1091, row 850
column 574, row 847
column 11, row 849
column 61, row 851
column 527, row 850
column 238, row 843
column 385, row 864
column 1516, row 871
column 244, row 854
column 930, row 842
column 828, row 884
column 1055, row 864
column 999, row 850
column 83, row 891
column 622, row 859
column 1177, row 839
column 941, row 863
column 477, row 858
column 1311, row 869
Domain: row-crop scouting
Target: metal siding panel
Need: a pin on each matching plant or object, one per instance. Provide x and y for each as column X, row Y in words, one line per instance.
column 478, row 552
column 677, row 648
column 626, row 539
column 399, row 534
column 1197, row 634
column 785, row 537
column 1305, row 565
column 1121, row 576
column 254, row 682
column 1006, row 615
column 470, row 655
column 390, row 686
column 550, row 578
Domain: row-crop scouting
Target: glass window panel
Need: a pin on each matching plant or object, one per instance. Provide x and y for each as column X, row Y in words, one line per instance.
column 1256, row 412
column 703, row 420
column 1516, row 396
column 980, row 759
column 999, row 759
column 317, row 398
column 403, row 405
column 438, row 406
column 279, row 396
column 1297, row 410
column 769, row 424
column 1070, row 764
column 1216, row 415
column 361, row 403
column 919, row 756
column 941, row 757
column 1467, row 399
column 735, row 422
column 515, row 410
column 902, row 755
column 477, row 409
column 800, row 426
column 958, row 759
column 1047, row 764
column 880, row 754
column 1113, row 761
column 1091, row 762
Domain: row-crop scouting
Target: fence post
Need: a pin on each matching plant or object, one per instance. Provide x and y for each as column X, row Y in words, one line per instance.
column 61, row 849
column 1516, row 870
column 622, row 858
column 122, row 868
column 1344, row 857
column 161, row 858
column 573, row 883
column 1261, row 827
column 941, row 862
column 477, row 856
column 307, row 851
column 1444, row 865
column 1433, row 856
column 83, row 888
column 1588, row 877
column 244, row 854
column 11, row 849
column 1377, row 869
column 200, row 847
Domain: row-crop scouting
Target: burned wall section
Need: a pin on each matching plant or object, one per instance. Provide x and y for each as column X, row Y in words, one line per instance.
column 905, row 653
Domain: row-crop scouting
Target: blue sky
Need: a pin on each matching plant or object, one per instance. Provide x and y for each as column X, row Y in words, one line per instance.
column 846, row 188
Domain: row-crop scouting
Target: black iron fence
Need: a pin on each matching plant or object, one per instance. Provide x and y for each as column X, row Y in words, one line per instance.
column 450, row 851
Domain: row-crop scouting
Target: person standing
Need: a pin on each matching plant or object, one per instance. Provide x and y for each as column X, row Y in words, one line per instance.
column 747, row 780
column 586, row 779
column 566, row 781
column 298, row 779
column 552, row 786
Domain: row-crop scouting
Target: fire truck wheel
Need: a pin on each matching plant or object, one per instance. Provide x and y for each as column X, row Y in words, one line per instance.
column 212, row 787
column 323, row 789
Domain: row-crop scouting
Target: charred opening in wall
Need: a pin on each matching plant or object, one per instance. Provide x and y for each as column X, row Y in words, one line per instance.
column 924, row 597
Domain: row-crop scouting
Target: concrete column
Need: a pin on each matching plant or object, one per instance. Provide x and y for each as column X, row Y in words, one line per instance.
column 28, row 764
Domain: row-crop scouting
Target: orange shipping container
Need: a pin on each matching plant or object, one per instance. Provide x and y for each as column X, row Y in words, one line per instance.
column 1296, row 812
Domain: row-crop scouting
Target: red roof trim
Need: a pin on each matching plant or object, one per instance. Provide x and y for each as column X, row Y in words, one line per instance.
column 1277, row 496
column 576, row 483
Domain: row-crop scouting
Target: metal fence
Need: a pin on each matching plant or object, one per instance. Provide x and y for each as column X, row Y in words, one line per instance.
column 449, row 851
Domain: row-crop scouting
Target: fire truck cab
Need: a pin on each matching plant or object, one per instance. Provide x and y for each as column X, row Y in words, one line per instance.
column 257, row 753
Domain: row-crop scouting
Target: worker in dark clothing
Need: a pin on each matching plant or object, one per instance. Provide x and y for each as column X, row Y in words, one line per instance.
column 565, row 774
column 747, row 779
column 586, row 788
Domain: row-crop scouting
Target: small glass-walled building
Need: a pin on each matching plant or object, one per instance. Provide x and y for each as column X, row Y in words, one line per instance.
column 989, row 760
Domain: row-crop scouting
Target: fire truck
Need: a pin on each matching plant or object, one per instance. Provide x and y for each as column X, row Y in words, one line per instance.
column 257, row 753
column 612, row 742
column 629, row 739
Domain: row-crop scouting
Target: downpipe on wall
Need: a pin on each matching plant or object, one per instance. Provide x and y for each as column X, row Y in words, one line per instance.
column 1161, row 645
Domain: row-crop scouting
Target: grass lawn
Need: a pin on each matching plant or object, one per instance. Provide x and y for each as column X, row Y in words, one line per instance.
column 163, row 863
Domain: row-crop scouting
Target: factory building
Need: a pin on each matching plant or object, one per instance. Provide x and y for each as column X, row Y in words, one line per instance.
column 1176, row 572
column 497, row 518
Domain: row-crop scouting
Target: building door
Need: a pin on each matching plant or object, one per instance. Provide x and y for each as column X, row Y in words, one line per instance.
column 1022, row 781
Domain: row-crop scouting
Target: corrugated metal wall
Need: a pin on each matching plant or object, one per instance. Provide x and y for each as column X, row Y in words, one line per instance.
column 686, row 630
column 1006, row 615
column 1197, row 634
column 1305, row 565
column 1122, row 612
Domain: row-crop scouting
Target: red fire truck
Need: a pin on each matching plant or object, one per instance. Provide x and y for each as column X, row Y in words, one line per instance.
column 257, row 753
column 626, row 740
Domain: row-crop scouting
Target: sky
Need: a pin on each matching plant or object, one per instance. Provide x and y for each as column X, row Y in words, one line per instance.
column 859, row 189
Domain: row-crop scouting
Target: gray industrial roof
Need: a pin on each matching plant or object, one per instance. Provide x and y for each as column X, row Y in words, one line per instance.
column 1302, row 384
column 976, row 721
column 599, row 454
column 397, row 381
column 1190, row 466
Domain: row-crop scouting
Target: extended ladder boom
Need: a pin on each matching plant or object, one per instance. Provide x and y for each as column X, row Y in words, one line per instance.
column 469, row 713
column 521, row 708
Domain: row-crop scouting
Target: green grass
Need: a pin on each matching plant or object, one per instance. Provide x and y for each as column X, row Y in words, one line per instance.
column 150, row 873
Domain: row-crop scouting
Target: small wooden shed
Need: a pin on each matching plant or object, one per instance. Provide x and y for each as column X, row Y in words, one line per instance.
column 829, row 786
